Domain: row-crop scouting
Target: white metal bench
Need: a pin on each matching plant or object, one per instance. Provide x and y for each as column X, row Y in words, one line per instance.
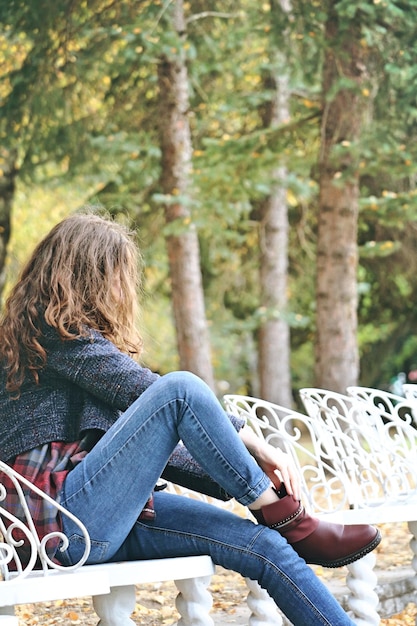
column 374, row 443
column 112, row 585
column 355, row 469
column 410, row 391
column 387, row 404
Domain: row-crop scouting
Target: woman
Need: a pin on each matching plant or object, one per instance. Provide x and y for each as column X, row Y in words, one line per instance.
column 90, row 426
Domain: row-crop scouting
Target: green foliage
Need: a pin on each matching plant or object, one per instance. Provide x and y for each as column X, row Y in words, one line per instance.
column 78, row 101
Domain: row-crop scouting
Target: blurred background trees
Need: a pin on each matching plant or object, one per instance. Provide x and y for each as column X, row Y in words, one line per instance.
column 265, row 154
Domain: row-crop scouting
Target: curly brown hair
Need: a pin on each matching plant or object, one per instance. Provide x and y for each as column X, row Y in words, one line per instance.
column 84, row 273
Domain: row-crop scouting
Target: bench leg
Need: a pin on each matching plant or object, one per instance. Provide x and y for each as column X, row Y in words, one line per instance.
column 194, row 602
column 7, row 616
column 116, row 607
column 263, row 609
column 412, row 527
column 363, row 600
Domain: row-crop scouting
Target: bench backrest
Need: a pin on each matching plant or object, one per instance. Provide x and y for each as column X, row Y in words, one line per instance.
column 410, row 391
column 374, row 447
column 326, row 487
column 345, row 458
column 388, row 405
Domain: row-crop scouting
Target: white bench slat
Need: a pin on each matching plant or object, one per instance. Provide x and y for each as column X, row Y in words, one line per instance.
column 92, row 580
column 136, row 572
column 112, row 586
column 56, row 585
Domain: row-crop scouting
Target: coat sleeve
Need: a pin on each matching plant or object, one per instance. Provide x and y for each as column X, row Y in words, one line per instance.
column 96, row 365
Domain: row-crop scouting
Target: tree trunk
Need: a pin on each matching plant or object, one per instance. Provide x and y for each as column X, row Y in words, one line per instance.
column 182, row 241
column 336, row 349
column 7, row 188
column 274, row 332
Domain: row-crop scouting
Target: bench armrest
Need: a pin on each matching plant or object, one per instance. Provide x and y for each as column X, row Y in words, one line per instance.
column 10, row 524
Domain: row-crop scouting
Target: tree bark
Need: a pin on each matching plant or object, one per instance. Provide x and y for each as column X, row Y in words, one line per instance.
column 336, row 349
column 7, row 189
column 182, row 240
column 274, row 333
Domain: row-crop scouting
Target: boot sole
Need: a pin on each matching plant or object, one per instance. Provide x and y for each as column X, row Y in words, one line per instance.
column 351, row 558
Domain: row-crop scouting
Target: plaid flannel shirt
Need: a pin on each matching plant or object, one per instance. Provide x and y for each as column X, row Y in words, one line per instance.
column 47, row 467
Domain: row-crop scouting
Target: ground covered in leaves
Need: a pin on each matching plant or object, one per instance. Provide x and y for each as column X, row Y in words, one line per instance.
column 155, row 602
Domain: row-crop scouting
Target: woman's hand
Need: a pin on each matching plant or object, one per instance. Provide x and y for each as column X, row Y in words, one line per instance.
column 276, row 464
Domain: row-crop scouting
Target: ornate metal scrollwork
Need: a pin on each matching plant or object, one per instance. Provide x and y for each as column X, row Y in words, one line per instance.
column 19, row 533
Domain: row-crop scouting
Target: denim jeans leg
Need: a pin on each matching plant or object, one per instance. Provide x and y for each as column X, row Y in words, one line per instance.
column 184, row 526
column 116, row 478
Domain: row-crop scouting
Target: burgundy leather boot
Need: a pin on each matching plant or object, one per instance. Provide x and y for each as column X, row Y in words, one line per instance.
column 318, row 542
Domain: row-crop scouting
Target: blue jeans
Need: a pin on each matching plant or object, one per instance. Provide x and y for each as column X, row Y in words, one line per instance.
column 109, row 488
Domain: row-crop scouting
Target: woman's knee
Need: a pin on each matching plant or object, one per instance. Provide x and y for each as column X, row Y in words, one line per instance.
column 184, row 383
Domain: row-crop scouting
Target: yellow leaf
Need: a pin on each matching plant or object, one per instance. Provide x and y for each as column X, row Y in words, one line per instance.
column 73, row 616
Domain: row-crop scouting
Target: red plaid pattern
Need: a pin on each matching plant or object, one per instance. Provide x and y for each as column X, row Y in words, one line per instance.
column 47, row 467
